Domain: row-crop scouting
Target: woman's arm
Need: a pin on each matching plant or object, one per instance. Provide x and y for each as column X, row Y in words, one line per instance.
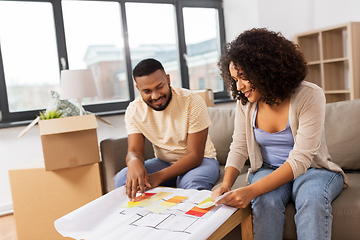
column 241, row 197
column 230, row 176
column 237, row 155
column 308, row 121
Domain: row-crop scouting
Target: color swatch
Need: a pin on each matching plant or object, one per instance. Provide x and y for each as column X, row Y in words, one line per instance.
column 153, row 199
column 174, row 200
column 166, row 204
column 138, row 200
column 143, row 197
column 199, row 212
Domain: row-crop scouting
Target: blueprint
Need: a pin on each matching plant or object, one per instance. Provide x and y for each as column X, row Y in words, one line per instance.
column 162, row 213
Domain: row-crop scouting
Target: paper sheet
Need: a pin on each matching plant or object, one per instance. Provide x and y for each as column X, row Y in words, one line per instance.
column 111, row 217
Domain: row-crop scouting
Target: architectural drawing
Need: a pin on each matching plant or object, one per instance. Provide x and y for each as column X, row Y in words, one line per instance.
column 164, row 213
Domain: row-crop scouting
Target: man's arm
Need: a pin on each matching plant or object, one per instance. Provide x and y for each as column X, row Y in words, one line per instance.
column 195, row 154
column 137, row 177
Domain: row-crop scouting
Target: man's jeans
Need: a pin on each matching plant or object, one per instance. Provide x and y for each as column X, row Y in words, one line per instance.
column 202, row 177
column 312, row 194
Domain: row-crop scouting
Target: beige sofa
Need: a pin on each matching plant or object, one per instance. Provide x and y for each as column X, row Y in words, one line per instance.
column 342, row 126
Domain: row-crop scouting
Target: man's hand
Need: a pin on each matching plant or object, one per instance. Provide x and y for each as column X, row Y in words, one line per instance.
column 137, row 178
column 155, row 179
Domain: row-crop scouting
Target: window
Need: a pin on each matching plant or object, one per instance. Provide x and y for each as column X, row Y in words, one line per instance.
column 27, row 44
column 201, row 84
column 40, row 38
column 96, row 43
column 202, row 39
column 155, row 37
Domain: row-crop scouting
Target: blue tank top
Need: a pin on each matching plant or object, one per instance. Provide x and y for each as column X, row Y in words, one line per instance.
column 275, row 147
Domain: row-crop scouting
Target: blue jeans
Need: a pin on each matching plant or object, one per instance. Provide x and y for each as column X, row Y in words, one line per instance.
column 201, row 177
column 312, row 194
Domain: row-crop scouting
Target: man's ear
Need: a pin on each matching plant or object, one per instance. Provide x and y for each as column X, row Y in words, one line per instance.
column 168, row 78
column 136, row 84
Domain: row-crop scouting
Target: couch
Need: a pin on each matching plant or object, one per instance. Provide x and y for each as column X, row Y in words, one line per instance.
column 342, row 126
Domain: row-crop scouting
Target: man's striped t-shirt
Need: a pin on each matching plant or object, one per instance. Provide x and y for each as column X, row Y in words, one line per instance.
column 168, row 129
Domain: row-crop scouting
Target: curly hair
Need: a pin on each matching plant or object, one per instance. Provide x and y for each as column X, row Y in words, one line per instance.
column 274, row 66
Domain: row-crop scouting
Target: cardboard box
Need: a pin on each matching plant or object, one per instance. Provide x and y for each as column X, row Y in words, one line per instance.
column 69, row 142
column 40, row 197
column 208, row 96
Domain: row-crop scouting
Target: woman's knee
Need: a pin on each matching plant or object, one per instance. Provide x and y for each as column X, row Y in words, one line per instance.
column 273, row 199
column 317, row 186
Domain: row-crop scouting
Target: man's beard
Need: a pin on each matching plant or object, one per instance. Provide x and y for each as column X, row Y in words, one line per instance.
column 165, row 105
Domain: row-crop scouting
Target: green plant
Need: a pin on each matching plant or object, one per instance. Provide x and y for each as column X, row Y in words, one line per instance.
column 50, row 115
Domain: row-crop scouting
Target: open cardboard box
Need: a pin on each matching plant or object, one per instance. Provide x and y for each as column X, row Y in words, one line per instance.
column 68, row 142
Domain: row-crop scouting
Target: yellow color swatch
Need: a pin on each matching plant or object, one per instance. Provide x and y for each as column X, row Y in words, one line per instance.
column 169, row 204
column 130, row 204
column 207, row 200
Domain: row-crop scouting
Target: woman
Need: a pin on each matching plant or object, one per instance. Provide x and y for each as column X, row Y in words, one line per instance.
column 279, row 127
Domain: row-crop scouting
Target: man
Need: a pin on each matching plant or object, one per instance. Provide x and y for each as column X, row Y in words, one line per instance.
column 175, row 121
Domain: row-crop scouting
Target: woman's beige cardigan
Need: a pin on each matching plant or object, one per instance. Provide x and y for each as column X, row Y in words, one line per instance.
column 306, row 117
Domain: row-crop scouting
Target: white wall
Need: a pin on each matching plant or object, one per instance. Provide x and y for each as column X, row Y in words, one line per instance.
column 287, row 16
column 335, row 12
column 240, row 15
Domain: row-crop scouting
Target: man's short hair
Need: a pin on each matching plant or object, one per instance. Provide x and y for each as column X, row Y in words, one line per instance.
column 146, row 67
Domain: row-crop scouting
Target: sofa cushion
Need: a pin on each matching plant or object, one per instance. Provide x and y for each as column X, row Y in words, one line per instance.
column 346, row 210
column 342, row 133
column 221, row 130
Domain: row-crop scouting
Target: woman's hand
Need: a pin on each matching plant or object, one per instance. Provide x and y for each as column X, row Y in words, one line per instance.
column 219, row 191
column 238, row 198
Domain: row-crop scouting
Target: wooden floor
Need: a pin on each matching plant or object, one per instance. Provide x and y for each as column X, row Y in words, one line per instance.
column 7, row 228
